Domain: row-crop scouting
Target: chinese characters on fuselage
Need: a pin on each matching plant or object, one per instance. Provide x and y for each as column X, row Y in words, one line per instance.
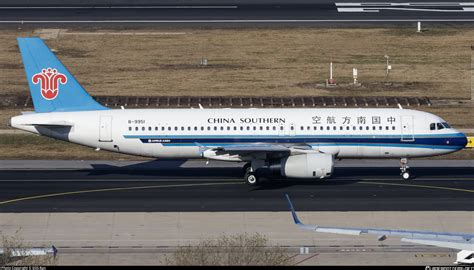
column 350, row 120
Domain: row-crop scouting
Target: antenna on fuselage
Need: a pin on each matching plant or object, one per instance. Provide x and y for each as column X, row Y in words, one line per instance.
column 400, row 106
column 200, row 106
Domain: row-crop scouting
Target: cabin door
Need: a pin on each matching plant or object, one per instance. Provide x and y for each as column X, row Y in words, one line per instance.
column 105, row 128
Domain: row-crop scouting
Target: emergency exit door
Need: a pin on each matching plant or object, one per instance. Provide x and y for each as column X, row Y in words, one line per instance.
column 105, row 129
column 407, row 128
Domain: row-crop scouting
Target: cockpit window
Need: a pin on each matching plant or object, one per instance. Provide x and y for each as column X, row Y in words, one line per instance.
column 439, row 126
column 432, row 126
column 446, row 125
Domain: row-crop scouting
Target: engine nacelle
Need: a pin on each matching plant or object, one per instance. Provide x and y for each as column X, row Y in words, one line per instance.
column 307, row 166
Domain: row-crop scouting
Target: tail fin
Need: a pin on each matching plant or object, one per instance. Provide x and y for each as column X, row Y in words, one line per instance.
column 52, row 86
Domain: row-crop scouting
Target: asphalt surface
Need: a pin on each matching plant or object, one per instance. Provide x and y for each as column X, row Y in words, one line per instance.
column 134, row 188
column 302, row 14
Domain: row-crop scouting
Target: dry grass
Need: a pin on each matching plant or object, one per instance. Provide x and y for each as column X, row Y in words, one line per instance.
column 233, row 250
column 253, row 62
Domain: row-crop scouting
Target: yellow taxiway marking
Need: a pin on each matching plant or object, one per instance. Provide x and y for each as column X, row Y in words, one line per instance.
column 114, row 189
column 413, row 185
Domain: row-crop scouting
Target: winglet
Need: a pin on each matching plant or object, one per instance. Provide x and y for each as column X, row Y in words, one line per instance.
column 293, row 212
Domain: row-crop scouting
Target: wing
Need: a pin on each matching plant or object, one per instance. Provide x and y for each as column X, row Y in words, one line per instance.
column 242, row 149
column 272, row 150
column 450, row 240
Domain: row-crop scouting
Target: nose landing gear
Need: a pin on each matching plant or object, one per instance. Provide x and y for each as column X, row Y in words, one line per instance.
column 404, row 172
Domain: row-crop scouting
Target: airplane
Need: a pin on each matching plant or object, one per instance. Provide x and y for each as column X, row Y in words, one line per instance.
column 459, row 241
column 294, row 143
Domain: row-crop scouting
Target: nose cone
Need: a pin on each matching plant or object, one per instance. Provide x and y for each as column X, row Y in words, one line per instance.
column 460, row 140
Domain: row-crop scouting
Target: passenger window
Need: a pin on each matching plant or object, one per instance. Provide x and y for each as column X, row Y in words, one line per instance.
column 156, row 128
column 341, row 127
column 347, row 128
column 360, row 128
column 373, row 127
column 129, row 128
column 143, row 128
column 393, row 128
column 281, row 128
column 182, row 128
column 386, row 127
column 328, row 128
column 321, row 128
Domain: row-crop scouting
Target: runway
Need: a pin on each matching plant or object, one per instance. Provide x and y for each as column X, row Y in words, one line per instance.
column 181, row 187
column 321, row 12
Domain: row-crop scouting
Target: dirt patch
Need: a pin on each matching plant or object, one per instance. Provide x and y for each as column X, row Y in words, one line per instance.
column 10, row 66
column 198, row 66
column 72, row 52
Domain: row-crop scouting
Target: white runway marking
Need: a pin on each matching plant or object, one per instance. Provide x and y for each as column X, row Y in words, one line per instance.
column 416, row 6
column 238, row 21
column 373, row 9
column 123, row 7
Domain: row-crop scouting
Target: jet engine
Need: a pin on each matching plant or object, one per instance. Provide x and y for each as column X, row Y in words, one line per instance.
column 307, row 166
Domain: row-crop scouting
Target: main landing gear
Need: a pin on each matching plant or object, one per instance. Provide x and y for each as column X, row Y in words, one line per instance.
column 250, row 176
column 404, row 172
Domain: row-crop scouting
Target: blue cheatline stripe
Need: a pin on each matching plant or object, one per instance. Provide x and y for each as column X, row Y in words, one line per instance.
column 454, row 141
column 276, row 136
column 447, row 147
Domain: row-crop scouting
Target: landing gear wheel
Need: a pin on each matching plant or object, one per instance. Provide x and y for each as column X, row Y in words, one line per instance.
column 406, row 175
column 251, row 179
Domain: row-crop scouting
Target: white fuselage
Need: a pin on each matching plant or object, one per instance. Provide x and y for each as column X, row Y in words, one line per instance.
column 181, row 133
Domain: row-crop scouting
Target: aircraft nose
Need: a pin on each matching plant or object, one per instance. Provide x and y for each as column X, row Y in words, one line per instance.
column 461, row 141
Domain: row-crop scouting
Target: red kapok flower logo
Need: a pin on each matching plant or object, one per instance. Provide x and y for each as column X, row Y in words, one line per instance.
column 50, row 79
